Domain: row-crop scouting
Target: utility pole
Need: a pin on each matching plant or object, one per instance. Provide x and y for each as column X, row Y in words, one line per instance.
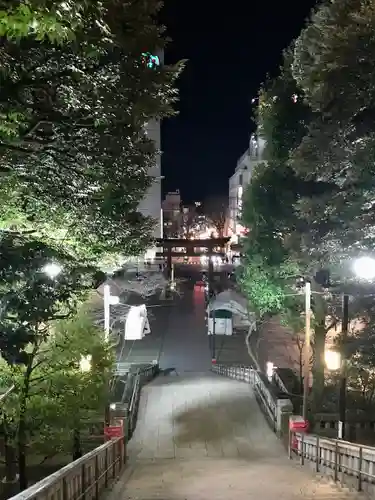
column 106, row 300
column 343, row 374
column 306, row 366
column 213, row 335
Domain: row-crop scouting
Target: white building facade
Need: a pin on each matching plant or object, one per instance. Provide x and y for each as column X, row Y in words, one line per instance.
column 151, row 205
column 238, row 183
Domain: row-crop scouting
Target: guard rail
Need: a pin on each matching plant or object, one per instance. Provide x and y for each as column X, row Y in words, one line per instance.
column 87, row 477
column 351, row 464
column 276, row 409
column 84, row 479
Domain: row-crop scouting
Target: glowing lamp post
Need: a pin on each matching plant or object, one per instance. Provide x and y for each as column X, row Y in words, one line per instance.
column 332, row 360
column 364, row 268
column 52, row 270
column 109, row 300
column 85, row 363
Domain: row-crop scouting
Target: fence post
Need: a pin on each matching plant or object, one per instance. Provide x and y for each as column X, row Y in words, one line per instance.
column 97, row 477
column 336, row 461
column 290, row 444
column 106, row 468
column 83, row 482
column 124, row 448
column 64, row 489
column 360, row 461
column 317, row 454
column 114, row 459
column 302, row 448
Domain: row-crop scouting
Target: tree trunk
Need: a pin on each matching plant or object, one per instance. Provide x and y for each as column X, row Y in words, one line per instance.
column 77, row 447
column 10, row 460
column 21, row 446
column 22, row 428
column 318, row 367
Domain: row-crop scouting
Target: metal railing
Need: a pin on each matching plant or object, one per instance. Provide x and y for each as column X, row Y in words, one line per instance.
column 266, row 399
column 87, row 477
column 84, row 479
column 351, row 464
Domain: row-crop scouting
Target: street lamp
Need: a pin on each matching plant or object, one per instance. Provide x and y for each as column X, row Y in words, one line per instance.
column 109, row 300
column 306, row 365
column 364, row 268
column 85, row 363
column 332, row 360
column 52, row 270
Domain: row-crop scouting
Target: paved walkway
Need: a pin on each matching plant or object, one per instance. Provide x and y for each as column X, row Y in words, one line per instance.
column 203, row 437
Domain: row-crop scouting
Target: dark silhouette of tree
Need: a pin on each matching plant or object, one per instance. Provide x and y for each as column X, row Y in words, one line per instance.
column 216, row 210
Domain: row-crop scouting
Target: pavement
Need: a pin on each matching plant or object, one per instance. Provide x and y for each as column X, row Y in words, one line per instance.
column 201, row 436
column 179, row 338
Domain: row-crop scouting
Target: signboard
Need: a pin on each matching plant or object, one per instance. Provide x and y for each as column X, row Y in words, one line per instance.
column 137, row 324
column 223, row 326
column 113, row 431
column 298, row 424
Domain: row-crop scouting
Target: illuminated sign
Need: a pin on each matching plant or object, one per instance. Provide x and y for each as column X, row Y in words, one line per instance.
column 150, row 61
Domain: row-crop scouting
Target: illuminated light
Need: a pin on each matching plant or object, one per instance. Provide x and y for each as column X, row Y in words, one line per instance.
column 332, row 359
column 85, row 363
column 270, row 369
column 204, row 259
column 150, row 61
column 364, row 268
column 52, row 270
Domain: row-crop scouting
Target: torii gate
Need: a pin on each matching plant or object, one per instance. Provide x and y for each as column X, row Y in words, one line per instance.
column 182, row 247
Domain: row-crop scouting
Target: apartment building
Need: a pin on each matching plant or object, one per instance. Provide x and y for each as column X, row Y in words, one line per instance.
column 172, row 214
column 151, row 203
column 253, row 155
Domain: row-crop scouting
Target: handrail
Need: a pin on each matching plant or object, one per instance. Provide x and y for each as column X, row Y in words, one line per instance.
column 87, row 477
column 353, row 464
column 252, row 377
column 94, row 471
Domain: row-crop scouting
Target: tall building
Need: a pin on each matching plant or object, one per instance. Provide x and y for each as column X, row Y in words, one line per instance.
column 151, row 203
column 172, row 214
column 238, row 182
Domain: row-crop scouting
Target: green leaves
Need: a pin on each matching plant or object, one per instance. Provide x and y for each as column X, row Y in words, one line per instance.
column 60, row 396
column 310, row 206
column 29, row 297
column 43, row 20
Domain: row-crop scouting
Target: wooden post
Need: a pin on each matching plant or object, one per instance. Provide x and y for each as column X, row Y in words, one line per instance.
column 169, row 261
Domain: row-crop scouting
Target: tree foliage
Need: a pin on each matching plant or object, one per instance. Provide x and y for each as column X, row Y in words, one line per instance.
column 76, row 101
column 30, row 298
column 309, row 207
column 75, row 153
column 75, row 156
column 216, row 210
column 53, row 398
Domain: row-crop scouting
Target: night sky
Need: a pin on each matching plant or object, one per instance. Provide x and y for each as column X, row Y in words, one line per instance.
column 231, row 47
